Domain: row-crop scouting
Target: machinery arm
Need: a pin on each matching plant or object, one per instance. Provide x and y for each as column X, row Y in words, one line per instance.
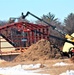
column 67, row 36
column 39, row 19
column 53, row 27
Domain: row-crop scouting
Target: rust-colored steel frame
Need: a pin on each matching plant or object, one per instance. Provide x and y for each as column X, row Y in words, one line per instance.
column 26, row 31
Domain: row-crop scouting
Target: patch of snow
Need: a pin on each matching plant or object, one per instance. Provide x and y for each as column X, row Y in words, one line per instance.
column 60, row 64
column 68, row 72
column 27, row 66
column 19, row 70
column 31, row 66
column 63, row 74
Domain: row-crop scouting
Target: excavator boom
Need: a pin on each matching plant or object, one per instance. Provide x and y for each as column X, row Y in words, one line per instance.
column 53, row 27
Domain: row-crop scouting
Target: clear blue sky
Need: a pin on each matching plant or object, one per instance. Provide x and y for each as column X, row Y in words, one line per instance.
column 13, row 8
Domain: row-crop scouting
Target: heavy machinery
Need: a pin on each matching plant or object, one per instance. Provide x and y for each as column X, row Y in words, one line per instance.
column 68, row 47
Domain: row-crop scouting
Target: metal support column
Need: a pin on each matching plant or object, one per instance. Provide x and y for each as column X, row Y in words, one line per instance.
column 33, row 37
column 39, row 34
column 43, row 33
column 47, row 31
column 28, row 37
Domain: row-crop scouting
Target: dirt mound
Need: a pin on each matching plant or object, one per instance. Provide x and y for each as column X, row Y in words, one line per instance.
column 39, row 51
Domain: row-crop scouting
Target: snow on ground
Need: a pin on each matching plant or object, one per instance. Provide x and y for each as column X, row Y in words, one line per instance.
column 60, row 64
column 31, row 66
column 20, row 70
column 68, row 72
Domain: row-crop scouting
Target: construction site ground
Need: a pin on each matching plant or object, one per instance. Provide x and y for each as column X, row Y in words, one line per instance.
column 41, row 53
column 48, row 68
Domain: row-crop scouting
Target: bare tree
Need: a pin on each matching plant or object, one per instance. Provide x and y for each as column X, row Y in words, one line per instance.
column 51, row 19
column 69, row 22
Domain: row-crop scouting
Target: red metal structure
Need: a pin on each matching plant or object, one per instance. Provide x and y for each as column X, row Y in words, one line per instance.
column 23, row 34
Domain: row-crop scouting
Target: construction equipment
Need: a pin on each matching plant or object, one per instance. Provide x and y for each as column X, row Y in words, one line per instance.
column 69, row 39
